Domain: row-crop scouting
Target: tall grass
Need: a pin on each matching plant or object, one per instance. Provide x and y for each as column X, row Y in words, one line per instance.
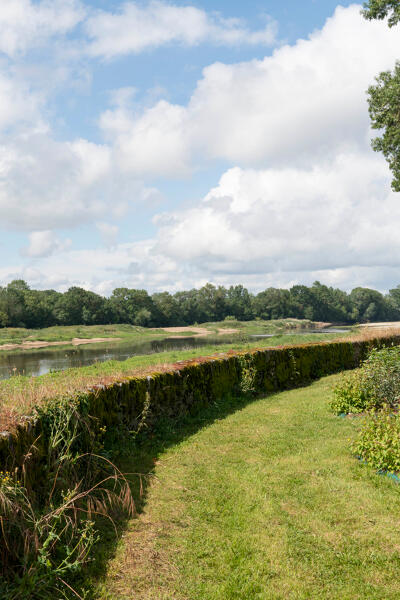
column 48, row 534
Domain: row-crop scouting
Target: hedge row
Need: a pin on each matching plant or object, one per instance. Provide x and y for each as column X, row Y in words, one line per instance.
column 135, row 403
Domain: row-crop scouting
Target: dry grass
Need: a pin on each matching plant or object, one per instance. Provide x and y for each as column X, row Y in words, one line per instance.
column 371, row 333
column 19, row 395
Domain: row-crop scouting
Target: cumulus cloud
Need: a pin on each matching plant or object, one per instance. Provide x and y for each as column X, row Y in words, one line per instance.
column 44, row 243
column 24, row 24
column 335, row 222
column 337, row 214
column 135, row 28
column 46, row 184
column 302, row 102
column 305, row 197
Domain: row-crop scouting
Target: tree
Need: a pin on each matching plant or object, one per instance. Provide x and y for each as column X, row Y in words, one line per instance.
column 380, row 9
column 272, row 303
column 384, row 96
column 384, row 111
column 168, row 309
column 370, row 304
column 81, row 307
column 125, row 304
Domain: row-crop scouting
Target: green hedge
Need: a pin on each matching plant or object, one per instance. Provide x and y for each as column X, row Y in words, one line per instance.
column 137, row 402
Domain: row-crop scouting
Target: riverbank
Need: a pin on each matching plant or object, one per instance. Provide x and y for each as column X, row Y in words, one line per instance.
column 12, row 338
column 19, row 394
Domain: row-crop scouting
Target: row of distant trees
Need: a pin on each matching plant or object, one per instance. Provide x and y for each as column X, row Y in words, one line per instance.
column 21, row 306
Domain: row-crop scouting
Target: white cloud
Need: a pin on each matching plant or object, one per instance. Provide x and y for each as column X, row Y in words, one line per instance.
column 24, row 24
column 19, row 105
column 151, row 145
column 303, row 102
column 45, row 184
column 337, row 214
column 44, row 243
column 135, row 28
column 307, row 199
column 108, row 232
column 336, row 222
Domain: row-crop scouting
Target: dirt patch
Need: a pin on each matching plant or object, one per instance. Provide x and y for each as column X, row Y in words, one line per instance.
column 195, row 332
column 222, row 331
column 39, row 344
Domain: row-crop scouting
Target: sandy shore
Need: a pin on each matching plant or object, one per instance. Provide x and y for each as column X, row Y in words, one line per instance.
column 39, row 344
column 197, row 331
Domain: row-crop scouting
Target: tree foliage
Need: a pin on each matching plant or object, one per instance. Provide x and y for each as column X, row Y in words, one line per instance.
column 21, row 306
column 380, row 9
column 384, row 110
column 384, row 96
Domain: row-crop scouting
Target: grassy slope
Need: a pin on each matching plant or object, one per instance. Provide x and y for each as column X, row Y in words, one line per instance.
column 20, row 393
column 265, row 503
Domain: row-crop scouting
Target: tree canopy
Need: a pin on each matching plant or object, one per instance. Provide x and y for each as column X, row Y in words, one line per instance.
column 384, row 96
column 380, row 9
column 21, row 306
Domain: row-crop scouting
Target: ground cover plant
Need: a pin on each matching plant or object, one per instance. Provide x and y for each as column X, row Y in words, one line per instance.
column 259, row 500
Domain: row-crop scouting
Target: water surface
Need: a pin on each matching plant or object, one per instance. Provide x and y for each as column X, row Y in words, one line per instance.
column 44, row 360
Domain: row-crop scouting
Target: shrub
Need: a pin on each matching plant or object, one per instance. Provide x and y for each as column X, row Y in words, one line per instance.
column 379, row 440
column 348, row 395
column 374, row 385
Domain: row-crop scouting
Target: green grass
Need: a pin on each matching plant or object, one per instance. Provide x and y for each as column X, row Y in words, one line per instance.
column 259, row 500
column 20, row 393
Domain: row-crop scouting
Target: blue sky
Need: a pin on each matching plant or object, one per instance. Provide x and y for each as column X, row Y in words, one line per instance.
column 162, row 145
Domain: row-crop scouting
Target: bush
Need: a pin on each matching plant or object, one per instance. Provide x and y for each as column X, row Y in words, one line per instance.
column 374, row 385
column 348, row 395
column 379, row 440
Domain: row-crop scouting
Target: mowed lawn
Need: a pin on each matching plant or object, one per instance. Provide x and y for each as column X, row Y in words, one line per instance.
column 265, row 502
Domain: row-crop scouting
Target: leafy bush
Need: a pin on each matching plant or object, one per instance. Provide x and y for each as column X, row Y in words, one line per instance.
column 374, row 385
column 348, row 394
column 379, row 440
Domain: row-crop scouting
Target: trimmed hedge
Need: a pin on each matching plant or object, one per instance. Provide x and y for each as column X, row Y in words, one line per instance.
column 139, row 402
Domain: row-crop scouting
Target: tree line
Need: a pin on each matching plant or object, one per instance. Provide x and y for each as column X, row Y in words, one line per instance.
column 21, row 306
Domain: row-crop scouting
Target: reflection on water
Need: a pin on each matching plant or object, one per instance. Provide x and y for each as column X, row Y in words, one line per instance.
column 39, row 362
column 43, row 361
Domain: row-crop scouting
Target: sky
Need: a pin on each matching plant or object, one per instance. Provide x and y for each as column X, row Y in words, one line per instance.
column 163, row 145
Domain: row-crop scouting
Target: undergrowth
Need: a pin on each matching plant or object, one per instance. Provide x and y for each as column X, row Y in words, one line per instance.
column 48, row 534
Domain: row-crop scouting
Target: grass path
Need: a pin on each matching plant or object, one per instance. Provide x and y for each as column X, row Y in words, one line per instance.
column 263, row 503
